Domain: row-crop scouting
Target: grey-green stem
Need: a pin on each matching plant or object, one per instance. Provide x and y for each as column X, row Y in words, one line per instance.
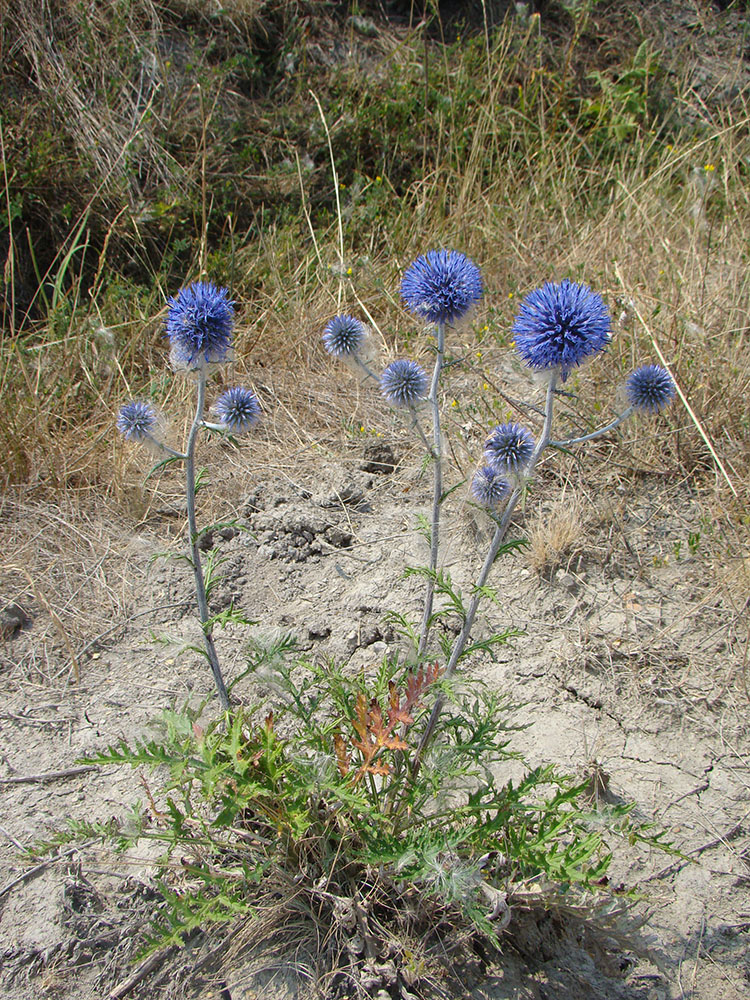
column 437, row 449
column 200, row 585
column 165, row 448
column 595, row 434
column 500, row 532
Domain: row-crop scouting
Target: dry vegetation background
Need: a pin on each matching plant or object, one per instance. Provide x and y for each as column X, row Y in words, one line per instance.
column 302, row 153
column 145, row 143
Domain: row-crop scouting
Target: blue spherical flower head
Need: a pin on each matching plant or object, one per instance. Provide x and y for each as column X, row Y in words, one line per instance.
column 488, row 487
column 137, row 420
column 559, row 326
column 509, row 448
column 199, row 326
column 650, row 388
column 403, row 383
column 238, row 409
column 344, row 336
column 441, row 286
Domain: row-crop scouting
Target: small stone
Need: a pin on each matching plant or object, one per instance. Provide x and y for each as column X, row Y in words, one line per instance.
column 349, row 493
column 206, row 541
column 370, row 636
column 253, row 503
column 567, row 581
column 340, row 539
column 379, row 458
column 318, row 631
column 12, row 619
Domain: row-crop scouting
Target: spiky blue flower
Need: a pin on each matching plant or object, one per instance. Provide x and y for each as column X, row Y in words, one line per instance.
column 441, row 286
column 509, row 448
column 238, row 408
column 199, row 325
column 650, row 388
column 403, row 383
column 488, row 487
column 344, row 336
column 560, row 326
column 137, row 420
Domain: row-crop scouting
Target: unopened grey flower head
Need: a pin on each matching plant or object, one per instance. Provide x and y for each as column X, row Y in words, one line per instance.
column 344, row 336
column 403, row 383
column 488, row 487
column 199, row 325
column 650, row 388
column 238, row 408
column 441, row 286
column 559, row 326
column 509, row 448
column 137, row 420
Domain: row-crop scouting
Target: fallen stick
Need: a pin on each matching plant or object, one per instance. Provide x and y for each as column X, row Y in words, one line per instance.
column 44, row 864
column 147, row 965
column 70, row 772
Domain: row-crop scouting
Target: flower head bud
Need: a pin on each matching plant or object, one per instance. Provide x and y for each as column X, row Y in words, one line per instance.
column 488, row 487
column 137, row 420
column 238, row 409
column 650, row 388
column 403, row 383
column 509, row 448
column 344, row 336
column 559, row 326
column 199, row 326
column 441, row 286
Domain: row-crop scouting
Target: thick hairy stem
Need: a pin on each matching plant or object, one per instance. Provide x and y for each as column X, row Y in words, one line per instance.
column 437, row 451
column 595, row 434
column 500, row 532
column 200, row 585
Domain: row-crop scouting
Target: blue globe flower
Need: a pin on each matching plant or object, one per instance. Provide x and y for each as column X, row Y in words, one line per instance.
column 650, row 388
column 509, row 448
column 137, row 420
column 199, row 325
column 403, row 383
column 560, row 326
column 488, row 487
column 238, row 408
column 441, row 286
column 344, row 336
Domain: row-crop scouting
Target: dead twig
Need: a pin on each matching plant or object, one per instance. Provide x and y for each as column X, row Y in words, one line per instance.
column 31, row 872
column 147, row 965
column 25, row 779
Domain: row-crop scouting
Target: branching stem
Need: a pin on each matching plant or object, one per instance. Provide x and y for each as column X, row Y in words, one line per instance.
column 165, row 448
column 500, row 532
column 200, row 585
column 595, row 434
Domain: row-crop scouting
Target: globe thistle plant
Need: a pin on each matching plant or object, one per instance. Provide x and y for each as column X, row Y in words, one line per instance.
column 509, row 448
column 238, row 409
column 650, row 388
column 403, row 383
column 344, row 336
column 199, row 325
column 488, row 487
column 441, row 286
column 559, row 326
column 137, row 421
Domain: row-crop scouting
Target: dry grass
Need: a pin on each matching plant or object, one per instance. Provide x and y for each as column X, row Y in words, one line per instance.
column 556, row 535
column 521, row 182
